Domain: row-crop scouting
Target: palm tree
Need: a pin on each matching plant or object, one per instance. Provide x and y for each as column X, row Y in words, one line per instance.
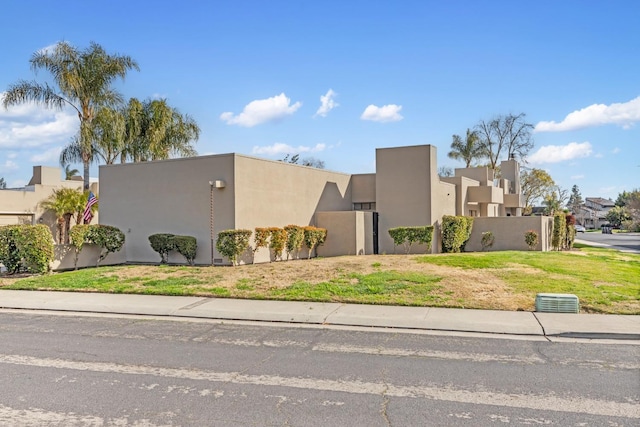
column 82, row 81
column 467, row 150
column 157, row 131
column 68, row 172
column 65, row 203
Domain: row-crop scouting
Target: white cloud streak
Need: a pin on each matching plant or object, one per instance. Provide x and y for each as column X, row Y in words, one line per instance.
column 327, row 103
column 30, row 125
column 280, row 148
column 262, row 111
column 624, row 114
column 561, row 153
column 52, row 155
column 384, row 114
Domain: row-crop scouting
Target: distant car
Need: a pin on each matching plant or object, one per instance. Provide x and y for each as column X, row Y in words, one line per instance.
column 580, row 228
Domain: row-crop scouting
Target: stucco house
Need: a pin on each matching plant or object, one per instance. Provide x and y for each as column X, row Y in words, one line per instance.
column 22, row 205
column 202, row 196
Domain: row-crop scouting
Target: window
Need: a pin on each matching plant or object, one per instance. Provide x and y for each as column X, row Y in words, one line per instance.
column 366, row 206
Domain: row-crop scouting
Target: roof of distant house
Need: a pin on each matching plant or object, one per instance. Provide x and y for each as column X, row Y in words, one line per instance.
column 602, row 202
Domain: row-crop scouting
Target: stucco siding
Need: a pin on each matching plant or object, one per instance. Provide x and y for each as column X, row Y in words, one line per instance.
column 403, row 189
column 509, row 232
column 171, row 196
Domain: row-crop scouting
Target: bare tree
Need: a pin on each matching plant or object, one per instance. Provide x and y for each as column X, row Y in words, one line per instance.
column 508, row 133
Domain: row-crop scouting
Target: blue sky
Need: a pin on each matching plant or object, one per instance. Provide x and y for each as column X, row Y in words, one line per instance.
column 336, row 79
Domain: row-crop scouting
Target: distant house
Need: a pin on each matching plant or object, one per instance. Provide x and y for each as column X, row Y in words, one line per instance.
column 594, row 211
column 22, row 205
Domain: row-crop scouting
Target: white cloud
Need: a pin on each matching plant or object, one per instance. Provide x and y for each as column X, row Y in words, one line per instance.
column 327, row 103
column 262, row 111
column 280, row 148
column 30, row 125
column 52, row 155
column 561, row 153
column 615, row 150
column 624, row 114
column 9, row 165
column 384, row 114
column 577, row 176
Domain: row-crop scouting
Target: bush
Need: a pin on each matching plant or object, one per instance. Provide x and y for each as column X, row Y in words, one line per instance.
column 487, row 240
column 559, row 231
column 570, row 231
column 277, row 241
column 232, row 243
column 163, row 244
column 531, row 239
column 26, row 246
column 260, row 238
column 314, row 237
column 186, row 246
column 456, row 231
column 78, row 237
column 295, row 239
column 108, row 238
column 9, row 254
column 407, row 236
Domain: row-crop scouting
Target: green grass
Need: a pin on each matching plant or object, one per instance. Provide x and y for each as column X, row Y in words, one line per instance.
column 386, row 287
column 604, row 280
column 599, row 277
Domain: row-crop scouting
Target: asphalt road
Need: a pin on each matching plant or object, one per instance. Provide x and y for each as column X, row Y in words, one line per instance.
column 620, row 241
column 95, row 371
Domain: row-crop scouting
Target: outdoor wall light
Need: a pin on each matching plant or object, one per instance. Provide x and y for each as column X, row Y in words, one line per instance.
column 218, row 183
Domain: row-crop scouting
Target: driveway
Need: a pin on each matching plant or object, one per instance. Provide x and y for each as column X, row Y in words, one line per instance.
column 628, row 242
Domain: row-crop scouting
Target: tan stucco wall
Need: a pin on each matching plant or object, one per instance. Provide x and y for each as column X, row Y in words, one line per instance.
column 406, row 183
column 509, row 232
column 350, row 233
column 169, row 196
column 363, row 188
column 276, row 194
column 174, row 196
column 481, row 174
column 64, row 256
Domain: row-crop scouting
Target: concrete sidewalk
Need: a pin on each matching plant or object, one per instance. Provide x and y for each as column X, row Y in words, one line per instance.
column 418, row 318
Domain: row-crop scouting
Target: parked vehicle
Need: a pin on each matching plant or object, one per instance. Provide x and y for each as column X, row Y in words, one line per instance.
column 580, row 228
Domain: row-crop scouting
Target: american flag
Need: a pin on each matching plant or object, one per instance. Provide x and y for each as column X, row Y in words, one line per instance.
column 87, row 215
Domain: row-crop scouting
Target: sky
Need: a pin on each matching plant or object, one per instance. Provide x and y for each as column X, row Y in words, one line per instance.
column 334, row 80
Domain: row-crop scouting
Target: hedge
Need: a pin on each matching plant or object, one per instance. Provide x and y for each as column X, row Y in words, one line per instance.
column 187, row 246
column 456, row 231
column 277, row 241
column 314, row 237
column 295, row 239
column 108, row 238
column 28, row 247
column 78, row 237
column 407, row 236
column 232, row 243
column 559, row 233
column 163, row 243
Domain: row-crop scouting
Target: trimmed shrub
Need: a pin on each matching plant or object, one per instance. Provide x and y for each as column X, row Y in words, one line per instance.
column 78, row 237
column 295, row 239
column 456, row 231
column 314, row 237
column 260, row 238
column 407, row 236
column 232, row 243
column 531, row 239
column 559, row 231
column 163, row 244
column 26, row 246
column 9, row 253
column 277, row 241
column 186, row 246
column 107, row 237
column 487, row 240
column 570, row 232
